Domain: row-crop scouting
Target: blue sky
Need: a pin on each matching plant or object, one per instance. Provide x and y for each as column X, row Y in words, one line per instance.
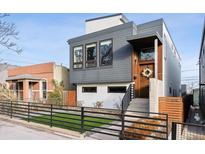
column 43, row 37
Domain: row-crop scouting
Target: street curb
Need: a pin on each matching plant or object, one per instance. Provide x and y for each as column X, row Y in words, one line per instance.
column 54, row 130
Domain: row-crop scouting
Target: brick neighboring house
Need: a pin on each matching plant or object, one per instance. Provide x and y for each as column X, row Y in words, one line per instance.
column 32, row 83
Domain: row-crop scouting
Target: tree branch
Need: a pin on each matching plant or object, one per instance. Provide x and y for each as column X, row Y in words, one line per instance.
column 8, row 35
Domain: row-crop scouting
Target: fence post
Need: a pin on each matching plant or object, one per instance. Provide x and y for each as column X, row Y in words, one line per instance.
column 28, row 112
column 174, row 131
column 167, row 126
column 11, row 109
column 82, row 120
column 122, row 125
column 51, row 116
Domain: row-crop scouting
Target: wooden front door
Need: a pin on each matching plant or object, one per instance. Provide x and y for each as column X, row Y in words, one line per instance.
column 146, row 71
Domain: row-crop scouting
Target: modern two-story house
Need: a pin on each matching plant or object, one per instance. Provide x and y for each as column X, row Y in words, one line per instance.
column 115, row 53
column 4, row 72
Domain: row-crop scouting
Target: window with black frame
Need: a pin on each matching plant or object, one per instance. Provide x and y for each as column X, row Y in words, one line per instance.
column 91, row 55
column 78, row 57
column 89, row 89
column 117, row 89
column 106, row 55
column 147, row 54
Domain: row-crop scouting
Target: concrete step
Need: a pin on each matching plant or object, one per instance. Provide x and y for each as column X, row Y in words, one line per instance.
column 139, row 104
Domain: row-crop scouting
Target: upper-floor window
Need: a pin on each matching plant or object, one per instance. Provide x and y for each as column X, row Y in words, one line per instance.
column 91, row 55
column 106, row 55
column 147, row 54
column 78, row 57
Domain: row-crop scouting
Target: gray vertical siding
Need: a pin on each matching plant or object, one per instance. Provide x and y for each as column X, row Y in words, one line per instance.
column 120, row 71
column 202, row 73
column 202, row 62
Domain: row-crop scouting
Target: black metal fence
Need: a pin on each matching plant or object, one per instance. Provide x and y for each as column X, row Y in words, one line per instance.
column 110, row 122
column 188, row 131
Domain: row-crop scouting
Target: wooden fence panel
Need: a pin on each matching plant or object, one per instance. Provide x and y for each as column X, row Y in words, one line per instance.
column 173, row 106
column 71, row 100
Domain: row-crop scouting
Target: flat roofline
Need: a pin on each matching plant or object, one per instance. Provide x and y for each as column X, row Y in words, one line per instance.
column 112, row 15
column 94, row 34
column 149, row 35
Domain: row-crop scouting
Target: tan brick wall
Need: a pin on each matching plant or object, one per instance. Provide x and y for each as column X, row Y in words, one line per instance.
column 39, row 70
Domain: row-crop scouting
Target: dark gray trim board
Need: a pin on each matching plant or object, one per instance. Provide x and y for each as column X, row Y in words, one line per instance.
column 142, row 36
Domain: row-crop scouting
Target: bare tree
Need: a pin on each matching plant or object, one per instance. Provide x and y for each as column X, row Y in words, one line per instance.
column 8, row 34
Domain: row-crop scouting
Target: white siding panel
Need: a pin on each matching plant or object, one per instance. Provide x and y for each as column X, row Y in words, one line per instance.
column 110, row 100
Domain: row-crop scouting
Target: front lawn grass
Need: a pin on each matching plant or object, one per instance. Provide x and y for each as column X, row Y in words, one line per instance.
column 71, row 122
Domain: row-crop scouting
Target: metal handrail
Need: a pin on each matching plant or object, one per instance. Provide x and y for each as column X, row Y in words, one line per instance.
column 126, row 98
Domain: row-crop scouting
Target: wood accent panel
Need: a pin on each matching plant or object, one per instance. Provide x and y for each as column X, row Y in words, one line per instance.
column 136, row 63
column 136, row 72
column 173, row 106
column 144, row 82
column 72, row 99
column 160, row 62
column 135, row 68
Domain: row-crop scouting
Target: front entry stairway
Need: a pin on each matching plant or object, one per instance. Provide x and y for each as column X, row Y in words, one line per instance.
column 139, row 104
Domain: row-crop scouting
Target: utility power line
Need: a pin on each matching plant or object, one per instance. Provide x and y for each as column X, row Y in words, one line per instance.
column 190, row 70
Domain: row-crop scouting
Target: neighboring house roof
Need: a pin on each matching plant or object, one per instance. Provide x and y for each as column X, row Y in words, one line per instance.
column 5, row 66
column 4, row 71
column 23, row 77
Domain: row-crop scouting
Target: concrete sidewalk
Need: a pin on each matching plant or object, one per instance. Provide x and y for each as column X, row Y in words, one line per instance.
column 12, row 131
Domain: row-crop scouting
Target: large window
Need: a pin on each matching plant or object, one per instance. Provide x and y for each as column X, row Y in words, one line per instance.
column 106, row 55
column 147, row 54
column 91, row 55
column 117, row 89
column 89, row 89
column 78, row 57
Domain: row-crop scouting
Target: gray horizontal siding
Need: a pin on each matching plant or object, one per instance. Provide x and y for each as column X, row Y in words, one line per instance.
column 120, row 71
column 149, row 27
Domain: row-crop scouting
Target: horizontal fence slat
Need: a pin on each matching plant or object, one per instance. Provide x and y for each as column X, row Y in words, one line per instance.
column 151, row 130
column 104, row 123
column 144, row 123
column 101, row 132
